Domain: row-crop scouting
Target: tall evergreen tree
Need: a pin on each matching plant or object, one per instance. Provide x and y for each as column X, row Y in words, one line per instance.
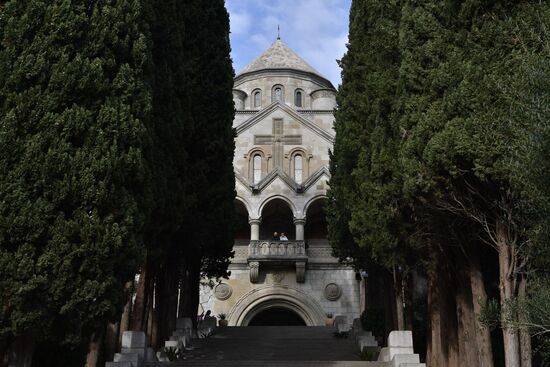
column 208, row 230
column 450, row 158
column 74, row 120
column 192, row 223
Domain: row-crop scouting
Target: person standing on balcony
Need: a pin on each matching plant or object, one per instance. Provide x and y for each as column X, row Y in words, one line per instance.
column 275, row 236
column 283, row 237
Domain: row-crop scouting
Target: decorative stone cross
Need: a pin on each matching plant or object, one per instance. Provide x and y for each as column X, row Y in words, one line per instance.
column 278, row 139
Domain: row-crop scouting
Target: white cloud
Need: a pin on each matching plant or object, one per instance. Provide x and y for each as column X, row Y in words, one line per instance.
column 316, row 29
column 240, row 22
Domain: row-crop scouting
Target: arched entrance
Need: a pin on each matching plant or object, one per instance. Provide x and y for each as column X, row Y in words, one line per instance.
column 277, row 316
column 277, row 217
column 269, row 298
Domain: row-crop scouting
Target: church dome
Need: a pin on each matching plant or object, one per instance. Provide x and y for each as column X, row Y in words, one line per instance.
column 279, row 57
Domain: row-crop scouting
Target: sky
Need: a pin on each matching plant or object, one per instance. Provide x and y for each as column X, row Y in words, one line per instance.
column 317, row 30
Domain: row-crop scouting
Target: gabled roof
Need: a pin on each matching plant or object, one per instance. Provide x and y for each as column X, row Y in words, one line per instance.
column 278, row 56
column 291, row 112
column 289, row 181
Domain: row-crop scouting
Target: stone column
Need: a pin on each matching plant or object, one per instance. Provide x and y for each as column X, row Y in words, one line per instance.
column 299, row 223
column 255, row 229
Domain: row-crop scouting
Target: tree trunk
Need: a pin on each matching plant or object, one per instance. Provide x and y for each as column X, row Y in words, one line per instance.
column 189, row 299
column 94, row 351
column 138, row 311
column 22, row 350
column 507, row 292
column 166, row 301
column 479, row 298
column 466, row 318
column 150, row 315
column 398, row 289
column 110, row 341
column 4, row 344
column 524, row 337
column 434, row 353
column 125, row 318
column 449, row 324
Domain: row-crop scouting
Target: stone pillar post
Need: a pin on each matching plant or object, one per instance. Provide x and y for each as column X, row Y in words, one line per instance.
column 255, row 229
column 299, row 223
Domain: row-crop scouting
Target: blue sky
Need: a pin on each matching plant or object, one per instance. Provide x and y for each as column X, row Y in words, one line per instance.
column 317, row 30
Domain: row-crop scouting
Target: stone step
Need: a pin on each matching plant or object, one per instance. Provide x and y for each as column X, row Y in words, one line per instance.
column 275, row 332
column 282, row 363
column 274, row 349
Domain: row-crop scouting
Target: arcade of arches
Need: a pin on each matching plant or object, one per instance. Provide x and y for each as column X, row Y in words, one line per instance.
column 277, row 216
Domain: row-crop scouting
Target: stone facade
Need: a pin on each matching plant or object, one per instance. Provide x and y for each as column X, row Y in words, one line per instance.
column 284, row 124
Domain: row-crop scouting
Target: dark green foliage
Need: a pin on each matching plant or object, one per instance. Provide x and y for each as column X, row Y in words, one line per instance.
column 116, row 132
column 74, row 112
column 373, row 320
column 362, row 210
column 442, row 134
column 209, row 83
column 193, row 156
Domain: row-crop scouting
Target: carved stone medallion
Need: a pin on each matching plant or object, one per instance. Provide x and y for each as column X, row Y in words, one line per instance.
column 276, row 278
column 223, row 291
column 333, row 291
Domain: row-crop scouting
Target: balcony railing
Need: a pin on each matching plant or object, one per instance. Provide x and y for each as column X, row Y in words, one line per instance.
column 277, row 252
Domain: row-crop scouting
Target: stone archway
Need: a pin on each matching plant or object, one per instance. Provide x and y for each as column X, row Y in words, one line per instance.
column 271, row 297
column 277, row 216
column 316, row 223
column 276, row 316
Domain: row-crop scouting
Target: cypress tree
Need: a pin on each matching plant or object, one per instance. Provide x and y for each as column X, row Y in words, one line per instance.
column 364, row 210
column 74, row 120
column 452, row 163
column 208, row 230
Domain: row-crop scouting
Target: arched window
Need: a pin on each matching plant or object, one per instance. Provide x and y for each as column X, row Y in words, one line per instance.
column 298, row 168
column 277, row 94
column 298, row 98
column 257, row 168
column 257, row 99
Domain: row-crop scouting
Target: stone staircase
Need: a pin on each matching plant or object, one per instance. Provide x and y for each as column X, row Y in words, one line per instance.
column 272, row 346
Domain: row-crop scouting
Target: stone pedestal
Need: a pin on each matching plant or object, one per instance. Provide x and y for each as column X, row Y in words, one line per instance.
column 400, row 350
column 134, row 351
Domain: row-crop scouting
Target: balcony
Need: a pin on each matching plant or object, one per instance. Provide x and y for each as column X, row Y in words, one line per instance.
column 277, row 252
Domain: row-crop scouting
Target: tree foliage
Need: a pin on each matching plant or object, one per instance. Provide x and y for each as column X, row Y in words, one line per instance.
column 74, row 120
column 441, row 138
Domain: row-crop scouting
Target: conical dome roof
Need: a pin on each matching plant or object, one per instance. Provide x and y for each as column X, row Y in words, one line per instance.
column 279, row 56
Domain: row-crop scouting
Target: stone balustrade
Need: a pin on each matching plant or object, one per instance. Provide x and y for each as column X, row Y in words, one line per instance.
column 277, row 252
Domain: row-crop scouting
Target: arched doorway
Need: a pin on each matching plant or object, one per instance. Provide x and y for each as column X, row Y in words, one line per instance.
column 316, row 222
column 272, row 297
column 277, row 316
column 277, row 217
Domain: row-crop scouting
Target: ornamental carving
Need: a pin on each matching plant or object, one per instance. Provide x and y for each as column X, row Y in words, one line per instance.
column 300, row 271
column 223, row 291
column 276, row 278
column 254, row 271
column 276, row 249
column 333, row 291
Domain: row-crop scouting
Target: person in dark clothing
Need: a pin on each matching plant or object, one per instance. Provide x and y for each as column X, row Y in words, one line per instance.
column 275, row 236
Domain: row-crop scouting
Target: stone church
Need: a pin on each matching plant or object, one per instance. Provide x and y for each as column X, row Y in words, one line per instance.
column 284, row 126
